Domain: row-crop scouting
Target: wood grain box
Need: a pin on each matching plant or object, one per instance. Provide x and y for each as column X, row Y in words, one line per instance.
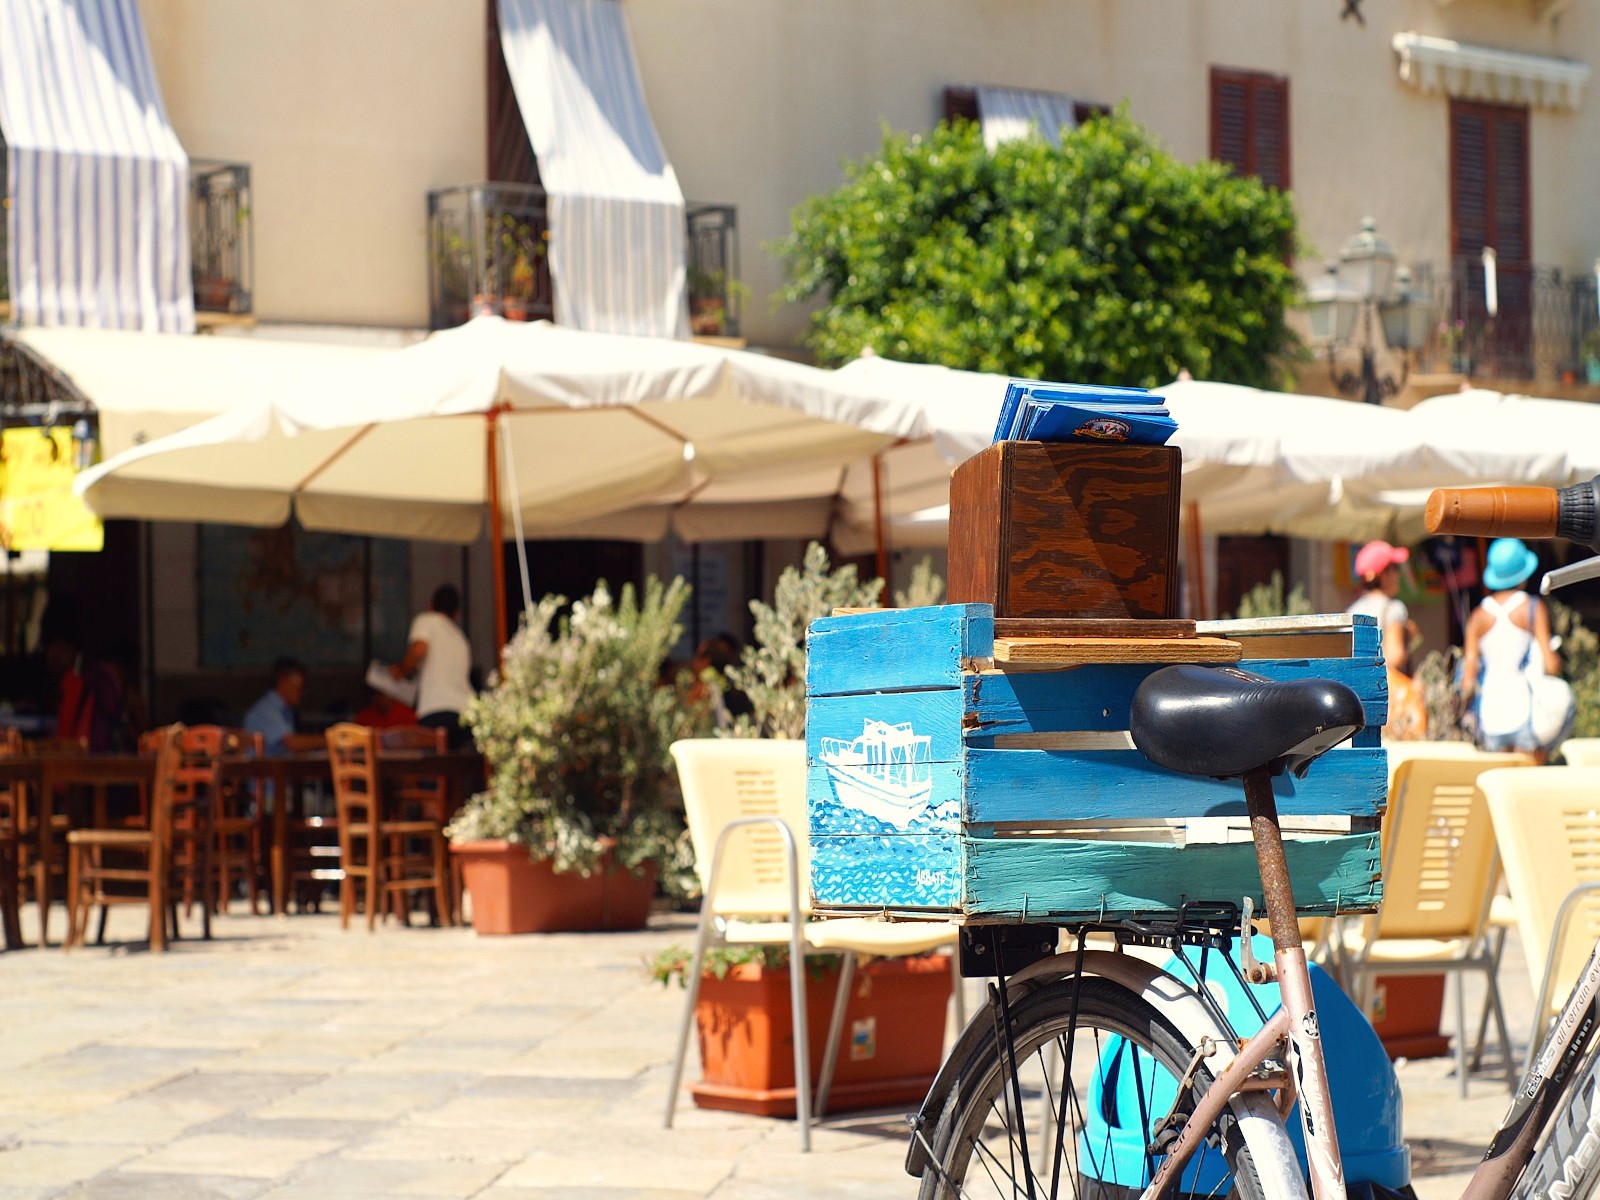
column 942, row 784
column 1043, row 529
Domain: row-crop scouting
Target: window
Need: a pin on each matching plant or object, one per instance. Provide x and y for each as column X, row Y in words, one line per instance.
column 1489, row 207
column 961, row 104
column 1250, row 124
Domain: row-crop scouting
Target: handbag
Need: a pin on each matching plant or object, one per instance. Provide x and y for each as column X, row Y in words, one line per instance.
column 1550, row 700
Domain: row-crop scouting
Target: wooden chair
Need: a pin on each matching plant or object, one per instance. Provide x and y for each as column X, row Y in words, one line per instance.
column 42, row 854
column 10, row 849
column 371, row 847
column 427, row 798
column 236, row 829
column 235, row 845
column 98, row 866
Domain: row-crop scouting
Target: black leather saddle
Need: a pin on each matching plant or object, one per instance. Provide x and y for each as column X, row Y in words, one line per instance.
column 1225, row 723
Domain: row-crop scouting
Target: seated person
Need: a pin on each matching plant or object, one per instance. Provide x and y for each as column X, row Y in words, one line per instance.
column 273, row 716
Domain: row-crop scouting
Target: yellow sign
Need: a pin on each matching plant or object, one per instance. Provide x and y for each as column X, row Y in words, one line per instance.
column 37, row 508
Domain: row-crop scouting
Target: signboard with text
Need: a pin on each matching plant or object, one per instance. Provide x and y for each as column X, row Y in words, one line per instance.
column 37, row 508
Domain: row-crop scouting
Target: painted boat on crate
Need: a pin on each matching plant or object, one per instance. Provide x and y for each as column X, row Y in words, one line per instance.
column 1001, row 795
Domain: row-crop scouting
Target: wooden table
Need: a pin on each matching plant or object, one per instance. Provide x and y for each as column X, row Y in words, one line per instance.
column 462, row 771
column 46, row 773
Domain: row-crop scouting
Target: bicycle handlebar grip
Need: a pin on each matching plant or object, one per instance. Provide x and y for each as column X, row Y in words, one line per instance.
column 1528, row 512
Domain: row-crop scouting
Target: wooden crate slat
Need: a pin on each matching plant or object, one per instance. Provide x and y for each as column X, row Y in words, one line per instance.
column 896, row 649
column 1098, row 697
column 911, row 871
column 1023, row 627
column 1021, row 786
column 832, row 813
column 1019, row 879
column 935, row 714
column 1078, row 651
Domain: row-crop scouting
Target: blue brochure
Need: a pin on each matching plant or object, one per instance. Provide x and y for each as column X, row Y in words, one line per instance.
column 1065, row 412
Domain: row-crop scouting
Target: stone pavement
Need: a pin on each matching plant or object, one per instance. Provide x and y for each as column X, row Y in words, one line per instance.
column 290, row 1060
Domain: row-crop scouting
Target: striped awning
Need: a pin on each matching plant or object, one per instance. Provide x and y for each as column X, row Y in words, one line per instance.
column 1006, row 114
column 97, row 183
column 617, row 253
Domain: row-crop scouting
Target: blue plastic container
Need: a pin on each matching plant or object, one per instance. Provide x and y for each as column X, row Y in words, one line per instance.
column 1366, row 1094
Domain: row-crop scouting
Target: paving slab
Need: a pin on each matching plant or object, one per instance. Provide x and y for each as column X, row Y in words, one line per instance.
column 293, row 1061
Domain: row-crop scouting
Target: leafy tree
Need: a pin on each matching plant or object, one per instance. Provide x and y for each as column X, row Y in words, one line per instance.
column 1104, row 261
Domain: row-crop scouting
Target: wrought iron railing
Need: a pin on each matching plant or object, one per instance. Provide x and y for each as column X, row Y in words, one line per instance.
column 488, row 252
column 1545, row 325
column 221, row 241
column 715, row 293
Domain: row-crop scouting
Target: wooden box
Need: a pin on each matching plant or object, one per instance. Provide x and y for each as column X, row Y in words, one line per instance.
column 951, row 775
column 1045, row 529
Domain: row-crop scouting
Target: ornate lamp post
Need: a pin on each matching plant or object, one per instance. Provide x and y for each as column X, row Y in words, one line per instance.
column 1368, row 316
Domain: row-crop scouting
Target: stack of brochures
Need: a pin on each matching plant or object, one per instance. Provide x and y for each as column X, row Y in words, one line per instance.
column 1070, row 412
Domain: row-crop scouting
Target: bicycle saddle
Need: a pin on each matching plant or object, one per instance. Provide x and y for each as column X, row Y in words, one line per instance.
column 1225, row 723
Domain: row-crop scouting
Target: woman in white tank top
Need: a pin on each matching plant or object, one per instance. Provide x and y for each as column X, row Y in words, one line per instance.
column 1504, row 634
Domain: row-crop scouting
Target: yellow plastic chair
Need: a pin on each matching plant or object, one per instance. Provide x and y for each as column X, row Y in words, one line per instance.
column 1547, row 820
column 745, row 801
column 1440, row 871
column 1581, row 752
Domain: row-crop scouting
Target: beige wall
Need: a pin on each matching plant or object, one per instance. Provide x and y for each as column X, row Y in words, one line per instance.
column 350, row 110
column 347, row 111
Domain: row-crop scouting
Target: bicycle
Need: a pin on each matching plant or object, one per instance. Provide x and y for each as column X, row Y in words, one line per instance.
column 1103, row 1034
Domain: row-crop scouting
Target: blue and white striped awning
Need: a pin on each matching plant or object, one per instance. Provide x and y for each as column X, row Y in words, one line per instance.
column 617, row 253
column 96, row 180
column 1006, row 114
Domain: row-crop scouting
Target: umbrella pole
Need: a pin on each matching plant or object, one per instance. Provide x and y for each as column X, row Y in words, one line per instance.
column 880, row 535
column 497, row 549
column 1197, row 563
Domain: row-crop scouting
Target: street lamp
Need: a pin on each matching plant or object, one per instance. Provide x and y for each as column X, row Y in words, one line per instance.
column 1365, row 306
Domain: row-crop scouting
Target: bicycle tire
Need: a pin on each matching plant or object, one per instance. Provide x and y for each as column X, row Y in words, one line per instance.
column 1105, row 1011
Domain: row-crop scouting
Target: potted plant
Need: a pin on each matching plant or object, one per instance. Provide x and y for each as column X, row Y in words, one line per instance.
column 518, row 247
column 892, row 1040
column 580, row 818
column 1591, row 357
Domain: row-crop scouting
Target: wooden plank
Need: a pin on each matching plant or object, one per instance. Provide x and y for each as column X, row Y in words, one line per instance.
column 839, row 810
column 1294, row 645
column 935, row 715
column 1248, row 626
column 1038, row 787
column 1027, row 879
column 917, row 872
column 1025, row 627
column 896, row 649
column 1097, row 697
column 1073, row 652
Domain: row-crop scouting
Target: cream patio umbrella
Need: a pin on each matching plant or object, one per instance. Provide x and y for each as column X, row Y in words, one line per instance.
column 538, row 426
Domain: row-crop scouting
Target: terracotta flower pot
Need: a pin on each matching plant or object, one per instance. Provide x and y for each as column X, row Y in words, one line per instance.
column 893, row 1039
column 512, row 893
column 1406, row 1011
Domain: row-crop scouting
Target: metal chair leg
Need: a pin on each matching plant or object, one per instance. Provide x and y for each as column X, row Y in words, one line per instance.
column 702, row 940
column 830, row 1056
column 1461, row 1030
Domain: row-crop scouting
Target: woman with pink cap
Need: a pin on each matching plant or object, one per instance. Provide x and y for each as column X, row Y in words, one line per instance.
column 1378, row 568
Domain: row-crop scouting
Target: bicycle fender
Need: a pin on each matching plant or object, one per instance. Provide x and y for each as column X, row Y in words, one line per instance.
column 1170, row 996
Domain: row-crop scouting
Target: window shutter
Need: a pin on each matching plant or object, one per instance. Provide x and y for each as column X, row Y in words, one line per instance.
column 1489, row 181
column 1250, row 124
column 960, row 104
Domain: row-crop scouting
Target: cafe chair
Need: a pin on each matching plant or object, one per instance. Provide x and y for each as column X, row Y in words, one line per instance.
column 1546, row 822
column 42, row 853
column 1440, row 870
column 10, row 849
column 1581, row 752
column 426, row 797
column 745, row 803
column 129, row 866
column 372, row 847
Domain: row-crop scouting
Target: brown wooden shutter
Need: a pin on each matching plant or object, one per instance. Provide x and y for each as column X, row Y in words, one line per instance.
column 1250, row 124
column 1489, row 181
column 510, row 153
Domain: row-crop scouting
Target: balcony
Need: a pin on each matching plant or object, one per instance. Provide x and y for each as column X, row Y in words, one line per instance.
column 222, row 248
column 1544, row 318
column 488, row 252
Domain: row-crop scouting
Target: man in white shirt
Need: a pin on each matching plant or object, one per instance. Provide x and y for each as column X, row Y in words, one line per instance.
column 440, row 655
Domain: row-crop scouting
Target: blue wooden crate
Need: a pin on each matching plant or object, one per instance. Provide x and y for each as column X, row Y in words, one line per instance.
column 941, row 785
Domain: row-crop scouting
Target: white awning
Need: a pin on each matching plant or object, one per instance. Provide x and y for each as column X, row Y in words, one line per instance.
column 617, row 253
column 96, row 181
column 146, row 386
column 1433, row 64
column 1006, row 114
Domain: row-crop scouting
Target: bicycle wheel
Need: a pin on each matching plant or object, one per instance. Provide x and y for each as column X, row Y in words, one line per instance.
column 1089, row 1122
column 1565, row 1161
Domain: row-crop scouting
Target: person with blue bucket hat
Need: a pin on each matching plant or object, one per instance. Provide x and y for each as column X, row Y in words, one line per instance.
column 1508, row 650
